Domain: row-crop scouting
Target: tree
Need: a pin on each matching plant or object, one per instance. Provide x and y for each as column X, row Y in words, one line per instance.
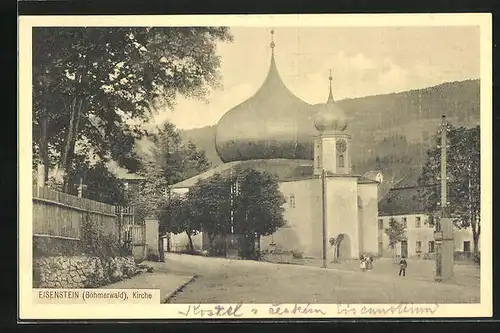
column 170, row 161
column 258, row 208
column 100, row 184
column 211, row 208
column 93, row 88
column 463, row 171
column 177, row 217
column 335, row 243
column 396, row 233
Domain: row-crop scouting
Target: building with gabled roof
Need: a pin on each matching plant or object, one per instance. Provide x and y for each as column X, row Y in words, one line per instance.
column 403, row 203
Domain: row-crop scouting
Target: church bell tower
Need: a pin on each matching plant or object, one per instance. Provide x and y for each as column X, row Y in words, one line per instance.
column 332, row 145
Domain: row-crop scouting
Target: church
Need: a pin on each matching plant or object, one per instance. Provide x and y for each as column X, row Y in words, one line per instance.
column 308, row 148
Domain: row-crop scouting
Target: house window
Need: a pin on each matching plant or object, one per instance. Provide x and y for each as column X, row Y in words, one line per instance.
column 417, row 222
column 292, row 201
column 403, row 220
column 380, row 224
column 341, row 161
column 418, row 246
column 431, row 246
column 467, row 246
column 431, row 221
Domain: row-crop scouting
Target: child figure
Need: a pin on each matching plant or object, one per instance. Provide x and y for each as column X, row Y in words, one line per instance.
column 402, row 266
column 369, row 263
column 362, row 264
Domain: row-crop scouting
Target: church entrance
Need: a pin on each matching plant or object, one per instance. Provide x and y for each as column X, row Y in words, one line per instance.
column 344, row 248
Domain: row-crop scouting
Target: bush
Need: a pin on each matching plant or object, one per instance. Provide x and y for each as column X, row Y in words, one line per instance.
column 297, row 254
column 462, row 256
column 373, row 255
column 429, row 256
column 218, row 248
column 476, row 257
column 102, row 246
column 153, row 257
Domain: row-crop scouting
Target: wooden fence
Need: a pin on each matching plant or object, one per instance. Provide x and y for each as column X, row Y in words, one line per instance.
column 60, row 215
column 134, row 233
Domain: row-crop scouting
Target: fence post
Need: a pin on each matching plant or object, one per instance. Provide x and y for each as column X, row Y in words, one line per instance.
column 41, row 176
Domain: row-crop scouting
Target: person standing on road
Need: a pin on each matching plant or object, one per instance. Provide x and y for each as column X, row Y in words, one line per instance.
column 402, row 266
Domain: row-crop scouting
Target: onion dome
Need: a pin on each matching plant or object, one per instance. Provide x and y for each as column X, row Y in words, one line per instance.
column 330, row 117
column 272, row 124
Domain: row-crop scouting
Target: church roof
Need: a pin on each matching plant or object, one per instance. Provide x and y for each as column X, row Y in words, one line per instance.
column 284, row 169
column 330, row 116
column 273, row 123
column 403, row 198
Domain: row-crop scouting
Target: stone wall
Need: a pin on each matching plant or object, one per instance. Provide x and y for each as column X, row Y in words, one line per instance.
column 80, row 271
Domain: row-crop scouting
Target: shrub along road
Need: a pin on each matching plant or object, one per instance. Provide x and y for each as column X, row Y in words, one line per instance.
column 233, row 281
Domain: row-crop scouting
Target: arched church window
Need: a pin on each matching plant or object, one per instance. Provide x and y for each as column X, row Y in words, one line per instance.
column 292, row 201
column 341, row 161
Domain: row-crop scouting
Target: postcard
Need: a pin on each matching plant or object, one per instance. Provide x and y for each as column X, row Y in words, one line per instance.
column 255, row 166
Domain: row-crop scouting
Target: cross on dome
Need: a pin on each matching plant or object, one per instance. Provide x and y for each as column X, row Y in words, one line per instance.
column 330, row 96
column 272, row 40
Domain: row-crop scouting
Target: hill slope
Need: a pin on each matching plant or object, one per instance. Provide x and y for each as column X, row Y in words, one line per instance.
column 391, row 132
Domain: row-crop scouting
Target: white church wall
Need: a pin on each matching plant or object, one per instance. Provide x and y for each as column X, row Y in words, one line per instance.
column 368, row 213
column 303, row 217
column 342, row 212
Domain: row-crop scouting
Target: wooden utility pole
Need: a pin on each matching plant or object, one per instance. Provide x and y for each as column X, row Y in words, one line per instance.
column 323, row 214
column 444, row 229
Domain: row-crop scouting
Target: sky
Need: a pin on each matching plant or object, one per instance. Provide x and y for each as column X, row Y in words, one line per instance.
column 364, row 61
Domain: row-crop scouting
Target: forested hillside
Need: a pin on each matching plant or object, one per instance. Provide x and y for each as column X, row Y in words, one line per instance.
column 389, row 132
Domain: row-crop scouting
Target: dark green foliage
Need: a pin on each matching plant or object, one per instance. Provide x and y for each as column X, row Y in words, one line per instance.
column 171, row 161
column 177, row 216
column 210, row 204
column 88, row 82
column 297, row 254
column 476, row 257
column 100, row 184
column 464, row 184
column 258, row 208
column 94, row 243
column 396, row 232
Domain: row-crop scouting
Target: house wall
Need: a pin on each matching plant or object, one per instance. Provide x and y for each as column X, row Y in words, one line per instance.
column 424, row 234
column 367, row 217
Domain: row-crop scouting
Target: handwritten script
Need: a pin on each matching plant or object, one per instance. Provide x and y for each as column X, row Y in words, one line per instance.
column 310, row 310
column 237, row 311
column 214, row 311
column 279, row 309
column 396, row 309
